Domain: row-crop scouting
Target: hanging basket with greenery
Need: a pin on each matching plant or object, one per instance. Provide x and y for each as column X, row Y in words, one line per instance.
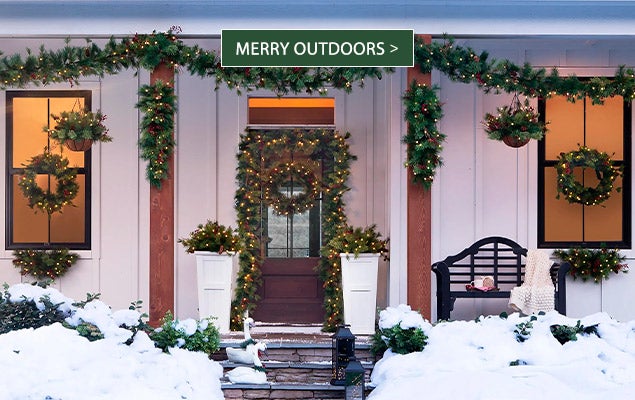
column 575, row 191
column 515, row 124
column 596, row 264
column 79, row 129
column 48, row 200
column 44, row 264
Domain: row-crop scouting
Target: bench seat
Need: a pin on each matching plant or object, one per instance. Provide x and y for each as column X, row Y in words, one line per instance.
column 495, row 256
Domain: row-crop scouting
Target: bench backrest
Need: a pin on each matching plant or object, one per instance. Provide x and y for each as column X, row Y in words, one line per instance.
column 496, row 256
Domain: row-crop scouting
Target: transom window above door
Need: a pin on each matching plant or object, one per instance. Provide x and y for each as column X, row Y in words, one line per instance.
column 296, row 111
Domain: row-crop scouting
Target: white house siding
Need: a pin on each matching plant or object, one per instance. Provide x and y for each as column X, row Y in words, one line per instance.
column 486, row 188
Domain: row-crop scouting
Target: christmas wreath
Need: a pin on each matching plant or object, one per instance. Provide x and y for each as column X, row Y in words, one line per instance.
column 44, row 263
column 574, row 191
column 47, row 200
column 279, row 176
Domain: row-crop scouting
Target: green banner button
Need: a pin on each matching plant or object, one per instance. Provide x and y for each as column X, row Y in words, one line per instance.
column 317, row 48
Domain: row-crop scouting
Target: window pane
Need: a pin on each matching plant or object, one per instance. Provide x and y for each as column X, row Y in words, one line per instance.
column 605, row 127
column 603, row 223
column 69, row 225
column 29, row 139
column 28, row 226
column 563, row 220
column 565, row 128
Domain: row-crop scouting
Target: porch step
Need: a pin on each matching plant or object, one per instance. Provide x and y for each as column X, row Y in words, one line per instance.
column 298, row 366
column 283, row 391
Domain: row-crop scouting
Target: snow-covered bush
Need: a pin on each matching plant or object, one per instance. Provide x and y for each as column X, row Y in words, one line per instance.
column 401, row 330
column 188, row 334
column 19, row 311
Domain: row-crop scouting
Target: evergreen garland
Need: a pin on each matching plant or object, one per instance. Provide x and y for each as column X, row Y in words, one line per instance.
column 49, row 264
column 424, row 140
column 596, row 264
column 461, row 64
column 157, row 141
column 256, row 146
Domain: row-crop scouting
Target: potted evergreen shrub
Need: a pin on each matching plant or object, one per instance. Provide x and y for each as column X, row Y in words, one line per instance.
column 360, row 249
column 79, row 129
column 214, row 246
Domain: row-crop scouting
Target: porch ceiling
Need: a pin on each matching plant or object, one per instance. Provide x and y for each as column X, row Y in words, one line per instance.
column 199, row 17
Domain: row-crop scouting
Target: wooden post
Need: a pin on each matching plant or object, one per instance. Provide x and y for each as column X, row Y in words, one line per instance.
column 419, row 226
column 162, row 230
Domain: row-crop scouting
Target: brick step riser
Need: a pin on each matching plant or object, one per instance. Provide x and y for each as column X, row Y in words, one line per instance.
column 301, row 355
column 291, row 374
column 274, row 394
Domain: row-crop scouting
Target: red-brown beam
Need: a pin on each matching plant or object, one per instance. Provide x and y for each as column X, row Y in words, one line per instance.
column 162, row 230
column 419, row 226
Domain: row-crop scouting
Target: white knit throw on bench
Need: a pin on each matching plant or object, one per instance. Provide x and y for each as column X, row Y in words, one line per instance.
column 537, row 291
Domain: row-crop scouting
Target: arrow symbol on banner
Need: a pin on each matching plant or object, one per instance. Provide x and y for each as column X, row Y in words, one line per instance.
column 393, row 48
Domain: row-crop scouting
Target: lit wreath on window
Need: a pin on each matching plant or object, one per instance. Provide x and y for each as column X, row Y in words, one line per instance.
column 278, row 176
column 46, row 200
column 575, row 192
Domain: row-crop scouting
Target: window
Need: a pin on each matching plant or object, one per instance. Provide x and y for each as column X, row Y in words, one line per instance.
column 28, row 112
column 605, row 127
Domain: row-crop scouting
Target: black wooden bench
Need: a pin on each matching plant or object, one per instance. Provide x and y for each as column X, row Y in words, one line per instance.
column 495, row 256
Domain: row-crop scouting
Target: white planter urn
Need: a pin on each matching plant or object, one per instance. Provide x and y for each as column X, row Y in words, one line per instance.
column 359, row 284
column 214, row 274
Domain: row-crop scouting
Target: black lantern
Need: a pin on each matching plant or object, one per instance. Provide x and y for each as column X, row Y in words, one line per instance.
column 355, row 376
column 343, row 351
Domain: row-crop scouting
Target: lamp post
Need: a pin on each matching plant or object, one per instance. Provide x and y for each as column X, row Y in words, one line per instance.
column 343, row 350
column 355, row 375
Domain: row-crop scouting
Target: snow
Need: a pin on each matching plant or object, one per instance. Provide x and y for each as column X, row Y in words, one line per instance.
column 471, row 359
column 55, row 363
column 462, row 360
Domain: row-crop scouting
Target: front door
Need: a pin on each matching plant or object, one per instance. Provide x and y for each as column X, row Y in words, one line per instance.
column 291, row 290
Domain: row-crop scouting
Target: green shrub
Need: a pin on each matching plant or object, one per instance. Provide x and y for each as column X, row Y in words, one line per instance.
column 523, row 329
column 89, row 331
column 212, row 237
column 190, row 335
column 565, row 333
column 398, row 340
column 25, row 313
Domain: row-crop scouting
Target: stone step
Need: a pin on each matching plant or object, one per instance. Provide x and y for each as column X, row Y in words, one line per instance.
column 294, row 372
column 299, row 352
column 283, row 391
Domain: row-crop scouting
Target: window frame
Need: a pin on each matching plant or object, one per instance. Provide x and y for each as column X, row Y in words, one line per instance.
column 626, row 241
column 11, row 171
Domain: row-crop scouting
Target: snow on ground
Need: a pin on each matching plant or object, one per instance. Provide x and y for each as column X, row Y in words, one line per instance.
column 470, row 360
column 55, row 363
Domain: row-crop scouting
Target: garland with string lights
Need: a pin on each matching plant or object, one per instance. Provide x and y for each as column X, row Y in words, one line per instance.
column 66, row 185
column 574, row 191
column 424, row 140
column 461, row 64
column 299, row 173
column 317, row 145
column 596, row 264
column 44, row 264
column 157, row 142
